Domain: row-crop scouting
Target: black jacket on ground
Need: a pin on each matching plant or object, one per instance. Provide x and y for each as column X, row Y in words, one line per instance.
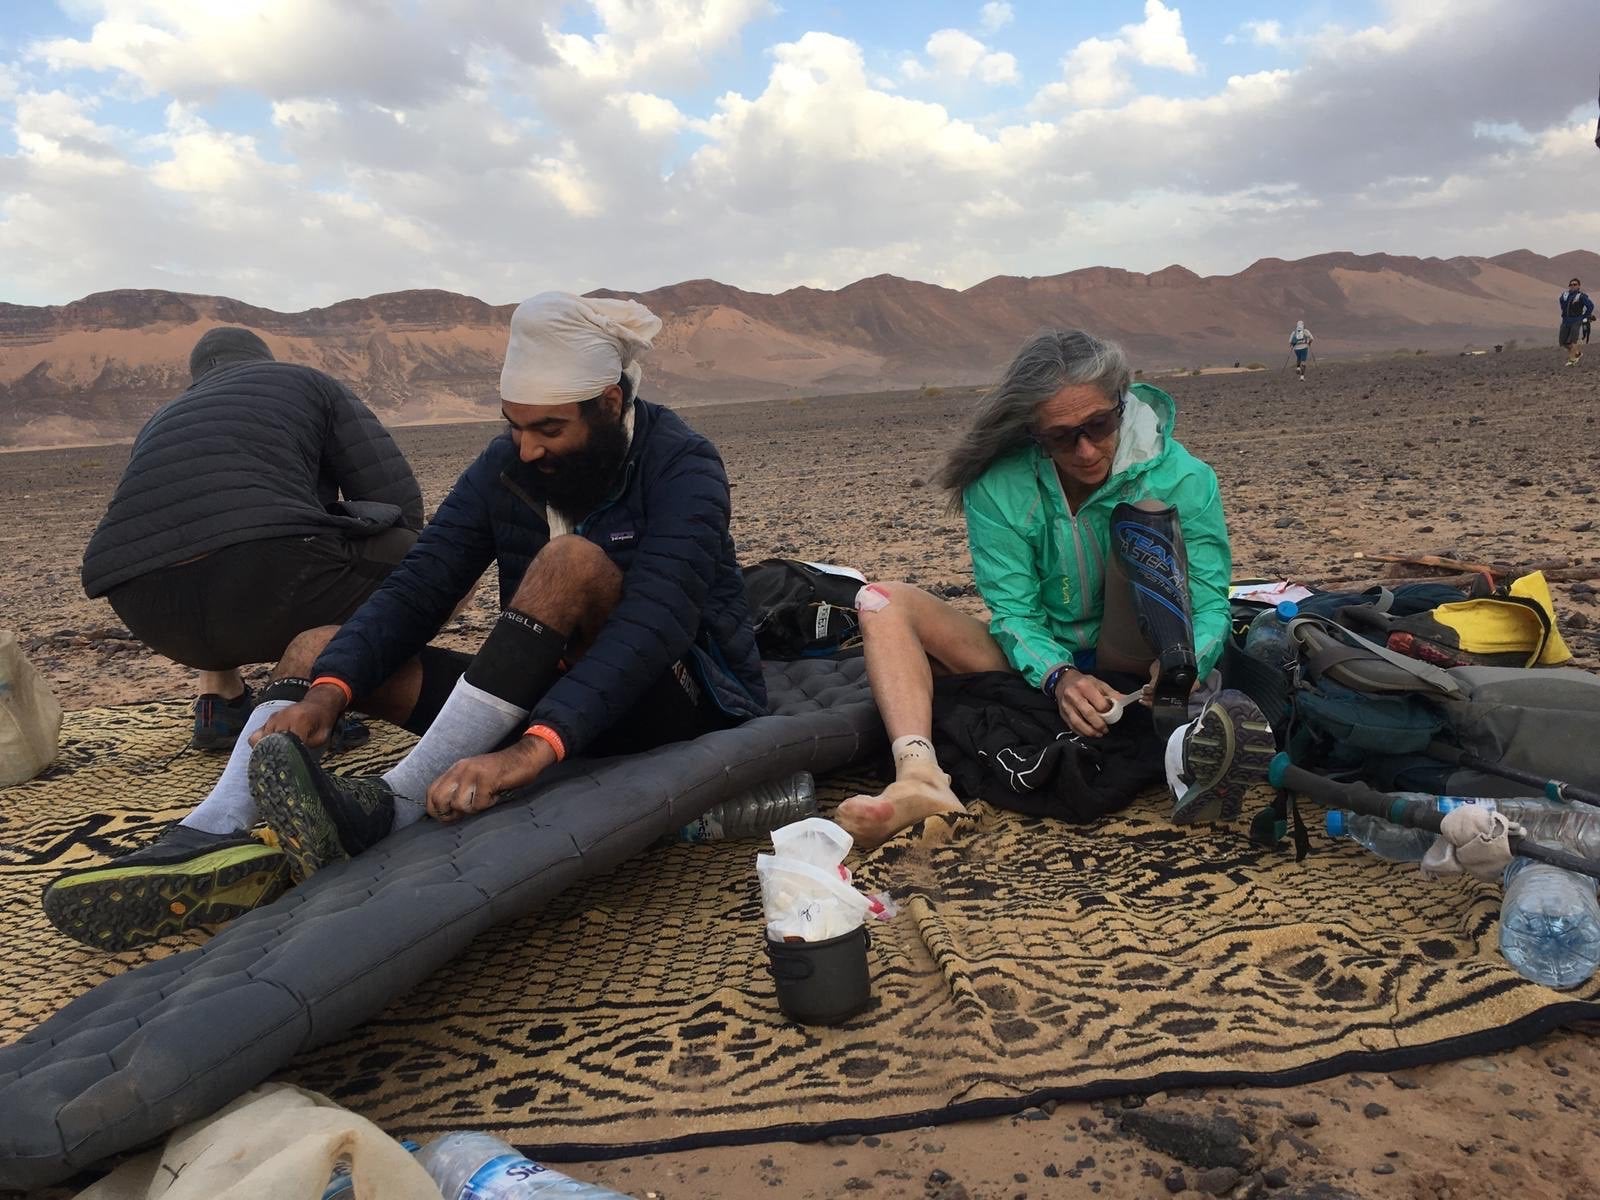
column 1003, row 742
column 665, row 526
column 253, row 451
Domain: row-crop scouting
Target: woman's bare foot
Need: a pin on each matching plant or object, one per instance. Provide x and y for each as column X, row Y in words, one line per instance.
column 873, row 820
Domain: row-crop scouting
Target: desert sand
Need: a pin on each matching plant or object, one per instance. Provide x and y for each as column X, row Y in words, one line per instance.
column 1484, row 458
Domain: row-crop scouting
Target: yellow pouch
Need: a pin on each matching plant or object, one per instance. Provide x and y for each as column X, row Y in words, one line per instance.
column 1534, row 587
column 1522, row 623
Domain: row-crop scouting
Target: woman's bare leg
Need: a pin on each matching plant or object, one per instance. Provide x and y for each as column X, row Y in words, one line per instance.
column 907, row 634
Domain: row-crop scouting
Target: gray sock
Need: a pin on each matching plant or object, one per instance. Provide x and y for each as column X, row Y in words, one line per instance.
column 471, row 722
column 229, row 809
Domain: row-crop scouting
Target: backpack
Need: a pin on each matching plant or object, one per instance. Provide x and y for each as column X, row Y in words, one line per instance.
column 1353, row 703
column 1355, row 706
column 803, row 609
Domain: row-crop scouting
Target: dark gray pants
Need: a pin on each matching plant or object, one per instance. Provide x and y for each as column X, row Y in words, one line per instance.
column 245, row 604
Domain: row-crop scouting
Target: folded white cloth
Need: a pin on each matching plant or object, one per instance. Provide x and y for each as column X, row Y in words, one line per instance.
column 1472, row 840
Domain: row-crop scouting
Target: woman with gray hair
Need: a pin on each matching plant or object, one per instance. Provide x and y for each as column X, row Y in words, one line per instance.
column 1098, row 544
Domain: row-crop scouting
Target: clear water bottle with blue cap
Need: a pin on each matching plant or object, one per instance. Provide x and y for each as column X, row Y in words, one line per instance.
column 1396, row 843
column 1575, row 827
column 479, row 1166
column 1550, row 924
column 1267, row 640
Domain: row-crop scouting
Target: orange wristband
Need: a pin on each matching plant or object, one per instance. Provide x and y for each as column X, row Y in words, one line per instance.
column 349, row 696
column 550, row 737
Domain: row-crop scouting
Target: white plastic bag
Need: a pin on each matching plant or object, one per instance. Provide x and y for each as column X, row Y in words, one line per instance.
column 30, row 718
column 815, row 840
column 806, row 901
column 805, row 886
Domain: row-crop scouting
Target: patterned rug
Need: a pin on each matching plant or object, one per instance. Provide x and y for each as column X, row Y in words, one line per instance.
column 1030, row 961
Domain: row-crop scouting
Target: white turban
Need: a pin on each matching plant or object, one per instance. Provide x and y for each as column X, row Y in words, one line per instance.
column 565, row 348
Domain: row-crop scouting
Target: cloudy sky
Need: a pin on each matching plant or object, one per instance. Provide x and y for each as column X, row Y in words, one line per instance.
column 296, row 152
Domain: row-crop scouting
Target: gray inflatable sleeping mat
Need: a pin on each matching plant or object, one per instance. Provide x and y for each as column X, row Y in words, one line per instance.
column 176, row 1039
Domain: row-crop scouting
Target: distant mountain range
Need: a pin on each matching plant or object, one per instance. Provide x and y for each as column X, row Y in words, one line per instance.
column 96, row 368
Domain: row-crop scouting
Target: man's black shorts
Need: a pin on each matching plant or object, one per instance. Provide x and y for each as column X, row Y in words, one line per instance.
column 245, row 604
column 1571, row 332
column 675, row 708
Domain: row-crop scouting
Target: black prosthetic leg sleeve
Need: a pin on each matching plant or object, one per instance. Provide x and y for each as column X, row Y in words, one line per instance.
column 1150, row 546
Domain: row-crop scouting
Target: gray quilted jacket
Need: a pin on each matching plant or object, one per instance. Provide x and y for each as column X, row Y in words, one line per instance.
column 252, row 451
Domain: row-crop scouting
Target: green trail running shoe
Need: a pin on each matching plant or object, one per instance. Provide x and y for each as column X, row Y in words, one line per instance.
column 319, row 817
column 186, row 877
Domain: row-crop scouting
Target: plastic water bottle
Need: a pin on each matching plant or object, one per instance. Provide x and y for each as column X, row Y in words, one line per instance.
column 1267, row 639
column 1550, row 924
column 1396, row 843
column 1573, row 826
column 479, row 1166
column 759, row 811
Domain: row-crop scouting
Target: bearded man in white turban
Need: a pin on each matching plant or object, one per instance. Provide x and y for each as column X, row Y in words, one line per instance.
column 623, row 626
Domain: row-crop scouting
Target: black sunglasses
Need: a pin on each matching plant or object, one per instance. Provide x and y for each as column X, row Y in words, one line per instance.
column 1059, row 439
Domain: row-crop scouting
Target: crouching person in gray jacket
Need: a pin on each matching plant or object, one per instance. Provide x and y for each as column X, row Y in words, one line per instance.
column 624, row 627
column 264, row 501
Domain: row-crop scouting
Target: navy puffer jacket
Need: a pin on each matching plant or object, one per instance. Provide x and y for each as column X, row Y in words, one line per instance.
column 665, row 526
column 258, row 450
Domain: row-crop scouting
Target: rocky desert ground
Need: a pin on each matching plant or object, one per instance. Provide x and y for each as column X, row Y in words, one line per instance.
column 1489, row 458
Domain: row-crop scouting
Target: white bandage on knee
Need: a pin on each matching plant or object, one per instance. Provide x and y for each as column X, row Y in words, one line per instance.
column 871, row 598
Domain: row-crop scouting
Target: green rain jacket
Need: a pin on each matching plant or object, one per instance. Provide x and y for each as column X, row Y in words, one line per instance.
column 1042, row 570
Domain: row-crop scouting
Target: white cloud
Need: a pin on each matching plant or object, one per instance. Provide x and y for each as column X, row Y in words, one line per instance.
column 280, row 48
column 500, row 167
column 1264, row 33
column 994, row 16
column 956, row 56
column 652, row 114
column 54, row 130
column 1094, row 73
column 660, row 40
column 204, row 160
column 1158, row 40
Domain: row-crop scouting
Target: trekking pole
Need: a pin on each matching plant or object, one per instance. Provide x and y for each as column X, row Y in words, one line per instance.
column 1358, row 797
column 1554, row 789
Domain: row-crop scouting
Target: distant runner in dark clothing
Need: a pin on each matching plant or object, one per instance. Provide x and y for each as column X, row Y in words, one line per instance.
column 264, row 501
column 1576, row 310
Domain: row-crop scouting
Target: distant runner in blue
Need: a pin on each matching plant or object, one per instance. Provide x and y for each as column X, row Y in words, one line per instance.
column 1576, row 310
